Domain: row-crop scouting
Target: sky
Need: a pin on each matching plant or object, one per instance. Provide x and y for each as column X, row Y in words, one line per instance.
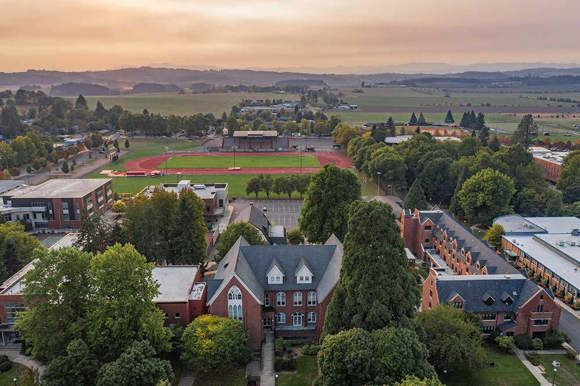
column 324, row 35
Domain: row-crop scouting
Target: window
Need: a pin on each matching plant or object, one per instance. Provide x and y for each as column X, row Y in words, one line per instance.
column 267, row 300
column 297, row 319
column 267, row 322
column 541, row 322
column 488, row 316
column 458, row 304
column 281, row 299
column 489, row 300
column 304, row 279
column 311, row 317
column 235, row 303
column 507, row 316
column 427, row 241
column 427, row 227
column 540, row 308
column 177, row 315
column 297, row 298
column 312, row 298
column 280, row 318
column 487, row 329
column 11, row 310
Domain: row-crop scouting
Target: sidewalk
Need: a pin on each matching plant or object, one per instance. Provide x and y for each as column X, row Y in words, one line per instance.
column 268, row 378
column 15, row 356
column 535, row 370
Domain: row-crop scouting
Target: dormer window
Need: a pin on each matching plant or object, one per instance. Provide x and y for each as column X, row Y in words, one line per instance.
column 275, row 275
column 303, row 274
column 487, row 299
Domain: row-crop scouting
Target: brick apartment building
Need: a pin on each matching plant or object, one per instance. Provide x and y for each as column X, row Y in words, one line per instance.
column 282, row 288
column 57, row 203
column 549, row 161
column 467, row 274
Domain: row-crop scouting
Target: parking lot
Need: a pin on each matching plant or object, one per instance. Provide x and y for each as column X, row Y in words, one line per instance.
column 279, row 212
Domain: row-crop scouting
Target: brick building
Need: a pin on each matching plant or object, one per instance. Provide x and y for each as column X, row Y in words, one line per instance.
column 549, row 161
column 282, row 288
column 511, row 304
column 467, row 274
column 182, row 294
column 58, row 203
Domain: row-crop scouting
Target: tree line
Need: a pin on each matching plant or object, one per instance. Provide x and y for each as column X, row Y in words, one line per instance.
column 281, row 184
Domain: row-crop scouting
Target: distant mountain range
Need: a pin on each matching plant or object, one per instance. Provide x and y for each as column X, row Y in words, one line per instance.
column 150, row 79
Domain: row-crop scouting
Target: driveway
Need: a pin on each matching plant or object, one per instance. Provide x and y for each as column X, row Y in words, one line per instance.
column 570, row 324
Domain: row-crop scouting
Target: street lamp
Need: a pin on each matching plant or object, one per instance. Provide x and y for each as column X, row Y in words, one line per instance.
column 234, row 147
column 379, row 183
column 556, row 364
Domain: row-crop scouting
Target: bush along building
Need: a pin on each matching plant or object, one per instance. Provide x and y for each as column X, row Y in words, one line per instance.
column 280, row 288
column 467, row 274
column 548, row 248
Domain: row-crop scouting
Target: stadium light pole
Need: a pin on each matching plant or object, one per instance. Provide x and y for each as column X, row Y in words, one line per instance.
column 234, row 157
column 300, row 156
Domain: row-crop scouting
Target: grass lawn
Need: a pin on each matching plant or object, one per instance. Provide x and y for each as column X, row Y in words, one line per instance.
column 237, row 183
column 243, row 161
column 236, row 377
column 24, row 377
column 305, row 374
column 568, row 373
column 508, row 371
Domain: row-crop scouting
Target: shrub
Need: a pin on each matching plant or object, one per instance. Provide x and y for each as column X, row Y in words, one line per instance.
column 5, row 366
column 310, row 349
column 554, row 339
column 14, row 171
column 505, row 343
column 537, row 344
column 285, row 364
column 533, row 358
column 523, row 341
column 280, row 345
column 3, row 358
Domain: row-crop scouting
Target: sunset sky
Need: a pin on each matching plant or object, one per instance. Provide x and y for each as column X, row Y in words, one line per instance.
column 291, row 34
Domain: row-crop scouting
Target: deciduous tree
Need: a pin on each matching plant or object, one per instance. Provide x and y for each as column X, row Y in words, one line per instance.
column 77, row 367
column 493, row 236
column 188, row 236
column 233, row 233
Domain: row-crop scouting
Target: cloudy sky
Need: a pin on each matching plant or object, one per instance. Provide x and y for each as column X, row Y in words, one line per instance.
column 292, row 34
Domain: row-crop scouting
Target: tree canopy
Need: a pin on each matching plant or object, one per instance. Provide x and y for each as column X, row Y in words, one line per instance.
column 569, row 182
column 326, row 203
column 415, row 198
column 16, row 248
column 526, row 131
column 233, row 232
column 493, row 236
column 375, row 288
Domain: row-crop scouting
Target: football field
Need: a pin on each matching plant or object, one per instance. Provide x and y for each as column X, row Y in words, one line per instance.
column 242, row 161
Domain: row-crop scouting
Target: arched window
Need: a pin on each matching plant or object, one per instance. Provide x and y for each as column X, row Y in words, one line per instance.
column 235, row 303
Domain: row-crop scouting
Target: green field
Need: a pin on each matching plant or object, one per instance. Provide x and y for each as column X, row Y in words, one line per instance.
column 306, row 373
column 243, row 161
column 237, row 183
column 507, row 371
column 186, row 104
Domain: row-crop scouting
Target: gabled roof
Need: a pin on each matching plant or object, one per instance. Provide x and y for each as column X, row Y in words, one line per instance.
column 475, row 289
column 301, row 264
column 251, row 264
column 255, row 217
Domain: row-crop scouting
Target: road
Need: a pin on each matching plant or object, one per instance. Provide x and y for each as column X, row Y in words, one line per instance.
column 570, row 324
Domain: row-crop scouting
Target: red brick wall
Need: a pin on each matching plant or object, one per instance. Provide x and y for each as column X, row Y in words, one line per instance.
column 251, row 309
column 551, row 170
column 171, row 309
column 525, row 314
column 429, row 296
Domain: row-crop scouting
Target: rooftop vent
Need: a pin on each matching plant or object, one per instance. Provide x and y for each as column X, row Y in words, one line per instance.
column 199, row 187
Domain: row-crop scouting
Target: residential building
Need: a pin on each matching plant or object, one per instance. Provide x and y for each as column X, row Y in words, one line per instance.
column 182, row 293
column 272, row 234
column 548, row 248
column 510, row 304
column 550, row 162
column 435, row 237
column 57, row 204
column 282, row 288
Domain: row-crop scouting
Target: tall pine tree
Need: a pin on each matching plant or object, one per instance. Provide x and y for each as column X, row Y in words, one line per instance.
column 189, row 244
column 375, row 289
column 421, row 121
column 413, row 120
column 449, row 117
column 415, row 198
column 391, row 129
column 484, row 135
column 455, row 206
column 81, row 103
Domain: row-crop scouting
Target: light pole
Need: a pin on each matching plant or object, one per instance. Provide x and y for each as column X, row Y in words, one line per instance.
column 234, row 157
column 379, row 183
column 300, row 156
column 555, row 364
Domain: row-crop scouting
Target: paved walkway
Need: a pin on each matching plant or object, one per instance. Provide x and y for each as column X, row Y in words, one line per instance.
column 268, row 378
column 15, row 356
column 535, row 370
column 187, row 378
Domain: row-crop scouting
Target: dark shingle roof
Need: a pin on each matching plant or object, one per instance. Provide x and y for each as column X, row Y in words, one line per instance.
column 474, row 289
column 212, row 286
column 257, row 218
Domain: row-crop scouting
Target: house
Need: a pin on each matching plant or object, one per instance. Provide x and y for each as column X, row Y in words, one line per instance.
column 272, row 234
column 549, row 161
column 510, row 304
column 435, row 237
column 282, row 288
column 182, row 294
column 57, row 203
column 548, row 248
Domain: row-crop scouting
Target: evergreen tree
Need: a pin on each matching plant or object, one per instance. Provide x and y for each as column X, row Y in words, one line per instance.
column 449, row 117
column 10, row 121
column 326, row 203
column 465, row 121
column 415, row 198
column 421, row 121
column 379, row 132
column 100, row 110
column 127, row 143
column 526, row 131
column 480, row 121
column 81, row 103
column 494, row 145
column 391, row 129
column 484, row 135
column 188, row 237
column 375, row 289
column 65, row 169
column 413, row 120
column 455, row 206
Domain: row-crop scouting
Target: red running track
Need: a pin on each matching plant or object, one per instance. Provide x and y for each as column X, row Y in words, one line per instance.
column 156, row 163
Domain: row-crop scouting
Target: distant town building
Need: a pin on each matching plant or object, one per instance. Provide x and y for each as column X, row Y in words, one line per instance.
column 257, row 140
column 57, row 204
column 550, row 162
column 282, row 288
column 548, row 247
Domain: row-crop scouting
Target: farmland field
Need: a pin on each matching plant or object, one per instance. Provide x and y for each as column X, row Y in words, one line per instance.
column 186, row 104
column 243, row 161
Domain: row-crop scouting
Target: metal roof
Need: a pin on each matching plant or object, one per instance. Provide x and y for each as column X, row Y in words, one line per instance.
column 60, row 188
column 175, row 283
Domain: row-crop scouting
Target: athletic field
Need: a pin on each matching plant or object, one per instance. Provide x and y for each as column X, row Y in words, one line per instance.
column 241, row 160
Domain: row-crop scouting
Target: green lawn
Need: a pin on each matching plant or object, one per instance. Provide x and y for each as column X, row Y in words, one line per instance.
column 24, row 377
column 508, row 371
column 237, row 183
column 568, row 373
column 243, row 161
column 236, row 377
column 305, row 374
